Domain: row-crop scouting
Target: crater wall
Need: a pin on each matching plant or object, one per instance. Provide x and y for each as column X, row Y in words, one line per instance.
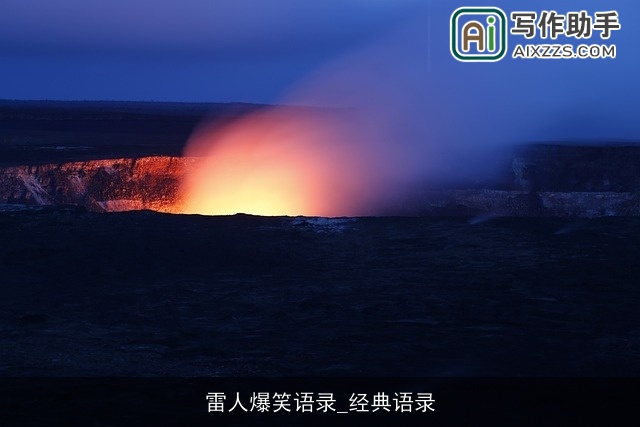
column 536, row 180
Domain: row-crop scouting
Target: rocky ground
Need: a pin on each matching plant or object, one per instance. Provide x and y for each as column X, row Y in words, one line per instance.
column 148, row 294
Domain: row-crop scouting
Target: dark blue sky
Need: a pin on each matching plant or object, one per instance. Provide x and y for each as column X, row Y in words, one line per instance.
column 188, row 50
column 255, row 50
column 231, row 50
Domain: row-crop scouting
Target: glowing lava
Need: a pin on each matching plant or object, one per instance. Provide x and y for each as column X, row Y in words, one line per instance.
column 285, row 161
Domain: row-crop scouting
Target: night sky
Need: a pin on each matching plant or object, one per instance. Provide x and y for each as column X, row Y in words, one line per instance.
column 256, row 51
column 189, row 50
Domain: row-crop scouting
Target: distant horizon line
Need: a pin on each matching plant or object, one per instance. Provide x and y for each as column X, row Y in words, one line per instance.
column 3, row 100
column 9, row 101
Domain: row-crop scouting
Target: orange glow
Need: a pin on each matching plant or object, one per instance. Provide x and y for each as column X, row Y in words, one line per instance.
column 285, row 161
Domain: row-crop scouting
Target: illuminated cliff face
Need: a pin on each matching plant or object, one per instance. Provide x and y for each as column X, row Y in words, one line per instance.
column 539, row 181
column 99, row 185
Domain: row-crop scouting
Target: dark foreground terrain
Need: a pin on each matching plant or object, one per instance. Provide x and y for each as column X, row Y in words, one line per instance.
column 148, row 294
column 120, row 296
